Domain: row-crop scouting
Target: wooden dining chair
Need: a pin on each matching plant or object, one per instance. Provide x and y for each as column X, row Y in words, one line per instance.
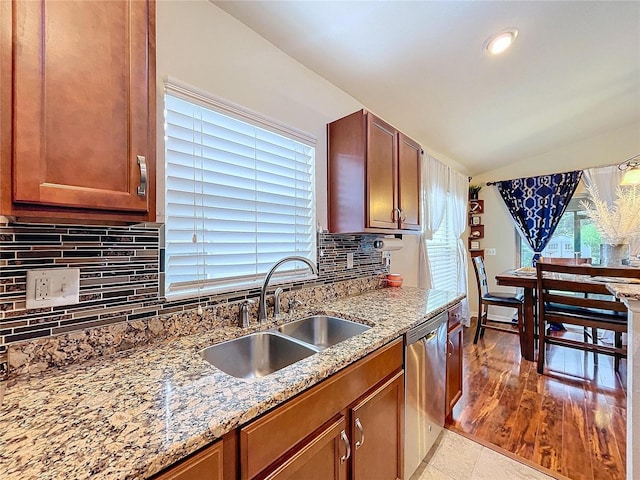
column 568, row 294
column 593, row 333
column 500, row 299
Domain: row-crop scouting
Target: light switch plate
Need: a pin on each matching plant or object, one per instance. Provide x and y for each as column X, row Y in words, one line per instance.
column 52, row 287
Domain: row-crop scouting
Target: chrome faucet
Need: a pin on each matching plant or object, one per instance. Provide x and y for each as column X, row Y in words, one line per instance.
column 262, row 308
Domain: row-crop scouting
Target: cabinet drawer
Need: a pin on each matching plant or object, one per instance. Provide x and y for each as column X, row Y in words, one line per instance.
column 205, row 465
column 455, row 316
column 268, row 438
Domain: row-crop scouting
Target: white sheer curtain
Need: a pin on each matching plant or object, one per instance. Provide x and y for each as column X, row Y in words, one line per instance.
column 606, row 180
column 435, row 177
column 459, row 190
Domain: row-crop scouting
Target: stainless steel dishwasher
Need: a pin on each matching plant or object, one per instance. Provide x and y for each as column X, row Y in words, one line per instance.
column 425, row 383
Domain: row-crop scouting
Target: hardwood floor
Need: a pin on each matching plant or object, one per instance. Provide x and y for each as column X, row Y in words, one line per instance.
column 572, row 420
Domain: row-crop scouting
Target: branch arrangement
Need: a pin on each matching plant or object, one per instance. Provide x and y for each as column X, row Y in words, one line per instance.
column 618, row 223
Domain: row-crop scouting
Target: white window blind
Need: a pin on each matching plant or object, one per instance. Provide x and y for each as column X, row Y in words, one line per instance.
column 238, row 198
column 442, row 252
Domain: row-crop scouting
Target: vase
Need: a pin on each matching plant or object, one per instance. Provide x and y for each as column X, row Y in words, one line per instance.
column 612, row 255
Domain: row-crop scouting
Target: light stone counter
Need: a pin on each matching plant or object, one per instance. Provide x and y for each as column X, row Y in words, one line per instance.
column 133, row 414
column 630, row 295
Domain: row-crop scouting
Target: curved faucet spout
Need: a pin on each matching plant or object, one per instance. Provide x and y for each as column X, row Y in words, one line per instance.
column 262, row 308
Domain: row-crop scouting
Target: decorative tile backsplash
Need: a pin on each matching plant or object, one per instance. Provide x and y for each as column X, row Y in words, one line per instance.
column 119, row 272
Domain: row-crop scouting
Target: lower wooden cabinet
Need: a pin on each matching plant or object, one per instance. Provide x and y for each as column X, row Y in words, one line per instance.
column 348, row 426
column 204, row 465
column 454, row 367
column 377, row 432
column 323, row 457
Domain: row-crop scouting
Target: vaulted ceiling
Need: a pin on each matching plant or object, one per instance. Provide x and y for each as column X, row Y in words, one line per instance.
column 573, row 72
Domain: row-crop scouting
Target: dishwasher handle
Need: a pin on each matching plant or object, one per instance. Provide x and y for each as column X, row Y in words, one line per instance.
column 425, row 329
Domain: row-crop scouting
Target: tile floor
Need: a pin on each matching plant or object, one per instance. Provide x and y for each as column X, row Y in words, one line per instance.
column 455, row 457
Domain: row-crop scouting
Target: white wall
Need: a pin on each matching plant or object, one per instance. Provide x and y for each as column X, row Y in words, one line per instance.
column 201, row 45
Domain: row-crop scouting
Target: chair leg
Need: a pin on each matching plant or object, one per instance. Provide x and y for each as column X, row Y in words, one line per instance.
column 485, row 319
column 479, row 324
column 521, row 328
column 618, row 344
column 541, row 346
column 594, row 340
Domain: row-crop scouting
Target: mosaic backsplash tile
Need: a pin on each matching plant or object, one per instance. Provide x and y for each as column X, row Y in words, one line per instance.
column 119, row 275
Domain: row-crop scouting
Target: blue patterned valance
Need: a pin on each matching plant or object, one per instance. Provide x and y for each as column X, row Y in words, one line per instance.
column 537, row 203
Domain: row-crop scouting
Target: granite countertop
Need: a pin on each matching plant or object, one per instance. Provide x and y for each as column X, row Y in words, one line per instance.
column 133, row 414
column 629, row 291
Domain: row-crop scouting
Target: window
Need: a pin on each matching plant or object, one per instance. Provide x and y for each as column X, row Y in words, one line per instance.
column 442, row 252
column 239, row 196
column 575, row 234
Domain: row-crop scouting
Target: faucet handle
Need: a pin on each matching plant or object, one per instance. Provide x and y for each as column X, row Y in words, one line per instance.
column 243, row 314
column 293, row 303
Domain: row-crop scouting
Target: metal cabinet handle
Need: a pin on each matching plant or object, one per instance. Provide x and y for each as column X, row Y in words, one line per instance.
column 393, row 214
column 360, row 442
column 450, row 345
column 345, row 439
column 142, row 189
column 403, row 216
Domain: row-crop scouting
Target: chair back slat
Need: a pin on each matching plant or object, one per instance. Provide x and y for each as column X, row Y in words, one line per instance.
column 481, row 276
column 592, row 270
column 570, row 285
column 574, row 301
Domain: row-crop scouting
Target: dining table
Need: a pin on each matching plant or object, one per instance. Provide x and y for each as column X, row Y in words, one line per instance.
column 525, row 278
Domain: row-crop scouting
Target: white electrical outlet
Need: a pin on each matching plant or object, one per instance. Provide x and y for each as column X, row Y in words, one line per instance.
column 350, row 260
column 52, row 287
column 490, row 251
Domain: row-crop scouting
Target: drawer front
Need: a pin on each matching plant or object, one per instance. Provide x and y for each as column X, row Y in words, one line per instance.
column 205, row 465
column 455, row 316
column 268, row 438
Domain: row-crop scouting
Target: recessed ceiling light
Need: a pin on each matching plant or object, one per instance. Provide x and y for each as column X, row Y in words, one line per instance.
column 499, row 42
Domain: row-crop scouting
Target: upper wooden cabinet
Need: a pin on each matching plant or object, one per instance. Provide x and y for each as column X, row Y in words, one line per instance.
column 373, row 176
column 78, row 110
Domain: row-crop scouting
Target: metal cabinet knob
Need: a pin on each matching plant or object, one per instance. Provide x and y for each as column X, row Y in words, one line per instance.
column 345, row 439
column 142, row 188
column 360, row 442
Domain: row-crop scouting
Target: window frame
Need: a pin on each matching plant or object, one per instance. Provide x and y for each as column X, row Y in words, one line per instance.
column 298, row 272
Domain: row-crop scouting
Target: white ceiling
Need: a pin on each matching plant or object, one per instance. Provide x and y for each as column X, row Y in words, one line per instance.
column 573, row 73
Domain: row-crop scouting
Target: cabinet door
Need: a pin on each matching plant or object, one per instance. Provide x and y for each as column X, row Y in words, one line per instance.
column 377, row 433
column 382, row 174
column 409, row 168
column 324, row 457
column 82, row 114
column 454, row 367
column 205, row 465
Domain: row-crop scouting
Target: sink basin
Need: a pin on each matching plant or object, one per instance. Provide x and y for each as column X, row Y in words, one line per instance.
column 322, row 331
column 255, row 355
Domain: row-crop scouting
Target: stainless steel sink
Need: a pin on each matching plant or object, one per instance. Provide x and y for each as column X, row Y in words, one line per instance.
column 255, row 355
column 322, row 331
